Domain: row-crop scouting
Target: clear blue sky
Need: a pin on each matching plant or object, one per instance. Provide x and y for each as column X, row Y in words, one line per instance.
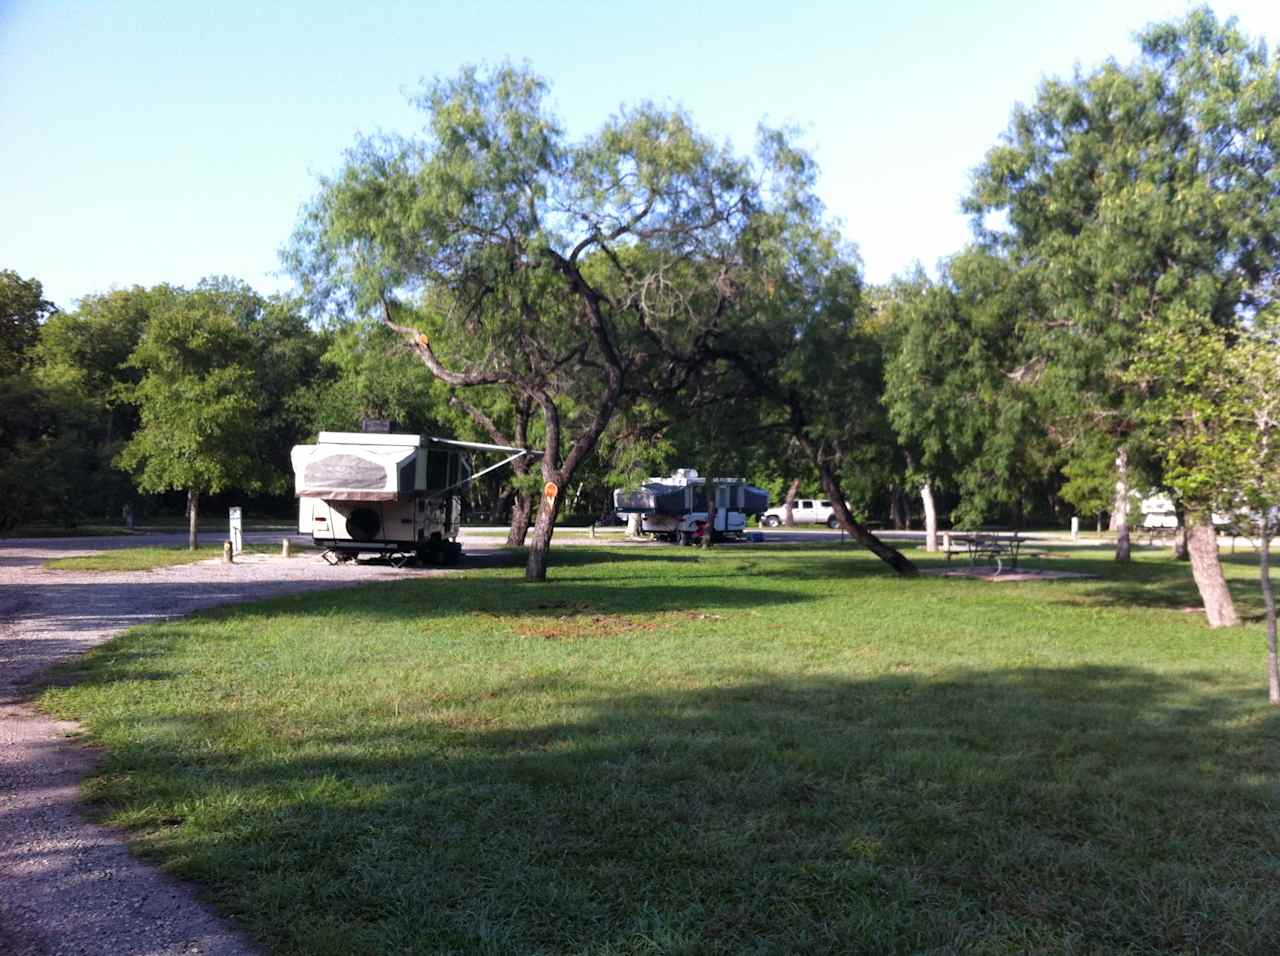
column 145, row 142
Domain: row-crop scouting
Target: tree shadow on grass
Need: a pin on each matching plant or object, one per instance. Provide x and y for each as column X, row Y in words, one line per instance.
column 442, row 601
column 1163, row 585
column 1090, row 809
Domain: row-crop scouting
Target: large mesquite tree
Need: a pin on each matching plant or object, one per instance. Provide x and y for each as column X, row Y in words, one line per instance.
column 574, row 274
column 800, row 340
column 1131, row 193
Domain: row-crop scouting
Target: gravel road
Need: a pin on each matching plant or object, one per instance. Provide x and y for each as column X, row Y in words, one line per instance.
column 69, row 886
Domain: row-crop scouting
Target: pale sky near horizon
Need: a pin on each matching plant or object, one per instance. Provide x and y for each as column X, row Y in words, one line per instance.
column 149, row 142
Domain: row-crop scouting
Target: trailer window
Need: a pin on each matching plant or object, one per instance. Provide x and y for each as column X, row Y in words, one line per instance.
column 437, row 469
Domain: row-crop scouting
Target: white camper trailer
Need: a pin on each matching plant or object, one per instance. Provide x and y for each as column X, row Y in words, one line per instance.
column 391, row 494
column 675, row 508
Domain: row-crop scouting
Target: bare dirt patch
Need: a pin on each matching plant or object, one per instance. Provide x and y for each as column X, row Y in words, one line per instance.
column 583, row 621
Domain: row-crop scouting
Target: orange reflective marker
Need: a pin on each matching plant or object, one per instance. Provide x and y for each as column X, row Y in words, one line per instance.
column 549, row 491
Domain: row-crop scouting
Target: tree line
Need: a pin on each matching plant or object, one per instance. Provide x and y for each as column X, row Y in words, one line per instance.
column 645, row 296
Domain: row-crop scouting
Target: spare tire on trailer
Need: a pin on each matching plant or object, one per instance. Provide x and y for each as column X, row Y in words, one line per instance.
column 363, row 524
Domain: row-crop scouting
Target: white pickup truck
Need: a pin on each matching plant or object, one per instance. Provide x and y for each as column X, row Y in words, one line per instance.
column 805, row 511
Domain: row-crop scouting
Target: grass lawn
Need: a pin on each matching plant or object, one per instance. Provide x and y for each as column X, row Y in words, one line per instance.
column 146, row 559
column 756, row 750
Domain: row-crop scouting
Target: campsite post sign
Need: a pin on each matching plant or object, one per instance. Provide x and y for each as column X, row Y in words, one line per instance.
column 237, row 534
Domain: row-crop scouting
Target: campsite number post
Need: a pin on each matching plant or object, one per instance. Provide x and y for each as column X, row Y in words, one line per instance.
column 237, row 534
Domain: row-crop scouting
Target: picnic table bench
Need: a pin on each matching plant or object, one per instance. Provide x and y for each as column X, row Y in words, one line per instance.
column 1155, row 534
column 984, row 547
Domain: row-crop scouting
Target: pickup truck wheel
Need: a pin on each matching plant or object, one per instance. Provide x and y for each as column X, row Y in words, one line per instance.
column 833, row 522
column 771, row 521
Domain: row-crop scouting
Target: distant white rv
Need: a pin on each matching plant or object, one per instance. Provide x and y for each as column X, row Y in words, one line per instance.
column 1158, row 511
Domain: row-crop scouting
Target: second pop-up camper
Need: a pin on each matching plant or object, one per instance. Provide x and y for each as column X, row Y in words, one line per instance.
column 392, row 494
column 675, row 508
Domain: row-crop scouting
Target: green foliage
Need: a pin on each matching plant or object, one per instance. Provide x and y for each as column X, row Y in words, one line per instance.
column 198, row 398
column 1214, row 402
column 35, row 432
column 958, row 385
column 35, row 443
column 82, row 358
column 369, row 373
column 1090, row 479
column 22, row 309
column 1130, row 195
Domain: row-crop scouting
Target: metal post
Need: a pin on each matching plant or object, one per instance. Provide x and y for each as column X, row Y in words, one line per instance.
column 284, row 547
column 226, row 553
column 1075, row 528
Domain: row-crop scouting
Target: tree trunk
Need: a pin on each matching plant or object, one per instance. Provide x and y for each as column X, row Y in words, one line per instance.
column 521, row 510
column 1099, row 522
column 1120, row 508
column 536, row 567
column 885, row 552
column 788, row 506
column 1269, row 603
column 1202, row 541
column 193, row 519
column 1180, row 552
column 930, row 517
column 898, row 509
column 634, row 529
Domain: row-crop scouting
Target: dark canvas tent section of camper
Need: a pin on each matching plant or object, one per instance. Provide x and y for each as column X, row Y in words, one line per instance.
column 675, row 508
column 683, row 493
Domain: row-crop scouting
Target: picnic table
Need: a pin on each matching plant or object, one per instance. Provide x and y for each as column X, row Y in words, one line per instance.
column 986, row 547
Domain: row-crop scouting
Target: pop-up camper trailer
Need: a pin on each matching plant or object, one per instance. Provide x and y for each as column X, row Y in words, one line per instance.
column 675, row 508
column 386, row 493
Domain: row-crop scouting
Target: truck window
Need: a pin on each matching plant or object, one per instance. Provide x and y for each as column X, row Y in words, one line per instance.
column 826, row 504
column 806, row 505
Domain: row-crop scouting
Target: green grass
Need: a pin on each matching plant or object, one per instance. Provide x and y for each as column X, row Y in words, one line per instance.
column 147, row 559
column 779, row 750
